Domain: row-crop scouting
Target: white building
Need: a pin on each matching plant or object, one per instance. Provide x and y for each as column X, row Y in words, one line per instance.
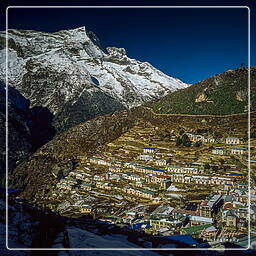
column 102, row 185
column 146, row 157
column 86, row 186
column 181, row 169
column 96, row 160
column 209, row 140
column 232, row 140
column 98, row 177
column 113, row 176
column 161, row 162
column 198, row 220
column 114, row 168
column 64, row 186
column 131, row 177
column 238, row 151
column 149, row 150
column 196, row 138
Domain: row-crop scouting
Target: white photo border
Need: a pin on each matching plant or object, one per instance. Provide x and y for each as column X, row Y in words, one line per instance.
column 249, row 120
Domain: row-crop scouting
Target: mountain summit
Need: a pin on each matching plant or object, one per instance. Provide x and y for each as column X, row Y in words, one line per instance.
column 62, row 69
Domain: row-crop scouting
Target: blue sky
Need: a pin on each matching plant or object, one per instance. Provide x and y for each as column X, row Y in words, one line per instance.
column 190, row 44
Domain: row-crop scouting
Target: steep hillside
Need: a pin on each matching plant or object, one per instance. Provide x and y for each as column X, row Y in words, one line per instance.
column 57, row 158
column 39, row 174
column 28, row 128
column 226, row 93
column 71, row 75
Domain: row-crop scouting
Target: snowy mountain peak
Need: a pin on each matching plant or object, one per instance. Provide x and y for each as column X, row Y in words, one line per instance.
column 68, row 63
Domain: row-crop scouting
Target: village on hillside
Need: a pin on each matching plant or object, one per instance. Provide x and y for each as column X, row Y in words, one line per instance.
column 177, row 183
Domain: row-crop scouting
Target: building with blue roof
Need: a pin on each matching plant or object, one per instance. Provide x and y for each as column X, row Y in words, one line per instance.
column 235, row 174
column 149, row 150
column 146, row 169
column 219, row 151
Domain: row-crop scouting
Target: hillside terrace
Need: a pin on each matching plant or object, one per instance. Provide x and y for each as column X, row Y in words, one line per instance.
column 120, row 174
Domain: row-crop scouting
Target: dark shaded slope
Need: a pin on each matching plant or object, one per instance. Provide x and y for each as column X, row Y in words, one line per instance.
column 43, row 169
column 19, row 145
column 28, row 128
column 87, row 106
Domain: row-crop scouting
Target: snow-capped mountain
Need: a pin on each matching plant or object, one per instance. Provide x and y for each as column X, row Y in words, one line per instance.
column 68, row 69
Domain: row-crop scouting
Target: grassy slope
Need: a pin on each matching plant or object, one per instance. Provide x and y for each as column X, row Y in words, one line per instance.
column 220, row 91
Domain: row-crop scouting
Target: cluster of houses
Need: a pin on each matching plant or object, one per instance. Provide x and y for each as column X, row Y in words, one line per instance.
column 182, row 169
column 197, row 219
column 201, row 138
column 162, row 180
column 143, row 193
column 151, row 173
column 220, row 151
column 141, row 175
column 166, row 219
column 202, row 179
column 233, row 151
column 66, row 184
column 100, row 182
column 201, row 221
column 180, row 174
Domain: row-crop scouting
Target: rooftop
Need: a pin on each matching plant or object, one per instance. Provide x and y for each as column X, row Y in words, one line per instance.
column 196, row 229
column 163, row 209
column 214, row 199
column 201, row 219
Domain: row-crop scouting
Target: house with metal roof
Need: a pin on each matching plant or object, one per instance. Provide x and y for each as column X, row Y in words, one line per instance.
column 199, row 220
column 145, row 157
column 238, row 151
column 232, row 140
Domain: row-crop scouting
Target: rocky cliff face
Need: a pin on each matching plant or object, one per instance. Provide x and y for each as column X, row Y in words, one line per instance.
column 71, row 75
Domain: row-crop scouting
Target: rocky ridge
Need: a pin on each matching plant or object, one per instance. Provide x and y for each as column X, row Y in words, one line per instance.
column 69, row 73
